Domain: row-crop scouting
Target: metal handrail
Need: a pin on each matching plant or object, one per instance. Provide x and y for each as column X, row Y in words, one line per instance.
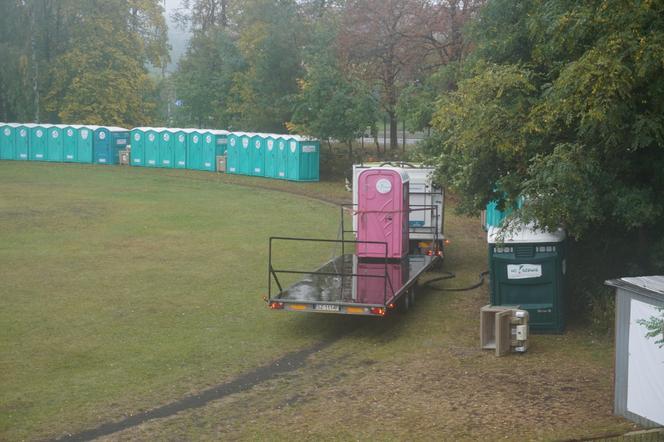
column 272, row 272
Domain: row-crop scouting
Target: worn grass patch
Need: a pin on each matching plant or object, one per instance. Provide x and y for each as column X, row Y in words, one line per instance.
column 421, row 376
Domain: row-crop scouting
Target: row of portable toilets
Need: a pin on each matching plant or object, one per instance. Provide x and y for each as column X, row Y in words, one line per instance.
column 62, row 143
column 290, row 157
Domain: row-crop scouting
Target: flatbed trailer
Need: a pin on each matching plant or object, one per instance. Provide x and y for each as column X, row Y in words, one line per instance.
column 347, row 284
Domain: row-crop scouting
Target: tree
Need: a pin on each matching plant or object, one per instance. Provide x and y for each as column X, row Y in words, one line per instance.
column 329, row 105
column 204, row 79
column 562, row 102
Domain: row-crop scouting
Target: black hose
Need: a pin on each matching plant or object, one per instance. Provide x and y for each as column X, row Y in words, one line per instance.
column 450, row 275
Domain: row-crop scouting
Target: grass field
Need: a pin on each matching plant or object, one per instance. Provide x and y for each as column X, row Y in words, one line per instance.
column 123, row 288
column 126, row 289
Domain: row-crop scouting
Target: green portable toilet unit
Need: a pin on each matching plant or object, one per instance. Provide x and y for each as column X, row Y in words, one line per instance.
column 179, row 148
column 194, row 149
column 221, row 141
column 55, row 144
column 271, row 156
column 257, row 155
column 38, row 146
column 151, row 145
column 107, row 143
column 137, row 143
column 69, row 143
column 282, row 156
column 244, row 158
column 7, row 144
column 166, row 149
column 527, row 268
column 303, row 159
column 22, row 141
column 232, row 153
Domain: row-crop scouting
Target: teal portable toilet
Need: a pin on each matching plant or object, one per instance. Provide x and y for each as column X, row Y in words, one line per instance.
column 7, row 144
column 38, row 147
column 166, row 149
column 194, row 149
column 257, row 155
column 303, row 159
column 55, row 144
column 221, row 141
column 208, row 151
column 69, row 142
column 244, row 159
column 527, row 268
column 137, row 143
column 22, row 141
column 179, row 148
column 271, row 156
column 151, row 147
column 85, row 143
column 232, row 153
column 107, row 143
column 495, row 217
column 282, row 156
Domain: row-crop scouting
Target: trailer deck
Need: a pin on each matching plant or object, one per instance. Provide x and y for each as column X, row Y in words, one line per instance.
column 347, row 284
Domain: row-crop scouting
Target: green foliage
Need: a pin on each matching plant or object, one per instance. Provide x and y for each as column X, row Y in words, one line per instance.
column 562, row 102
column 655, row 326
column 329, row 105
column 82, row 61
column 204, row 79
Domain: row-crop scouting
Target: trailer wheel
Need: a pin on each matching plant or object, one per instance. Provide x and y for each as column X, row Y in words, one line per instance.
column 405, row 303
column 411, row 295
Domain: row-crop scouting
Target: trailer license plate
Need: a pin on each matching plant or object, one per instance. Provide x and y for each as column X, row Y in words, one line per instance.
column 326, row 307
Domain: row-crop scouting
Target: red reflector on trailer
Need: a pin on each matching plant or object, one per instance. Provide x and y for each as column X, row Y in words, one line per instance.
column 276, row 305
column 391, row 306
column 378, row 311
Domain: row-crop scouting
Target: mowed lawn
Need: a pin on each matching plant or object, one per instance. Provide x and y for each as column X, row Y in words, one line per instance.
column 122, row 289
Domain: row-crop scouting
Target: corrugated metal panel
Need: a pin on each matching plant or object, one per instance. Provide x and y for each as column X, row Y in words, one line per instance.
column 652, row 283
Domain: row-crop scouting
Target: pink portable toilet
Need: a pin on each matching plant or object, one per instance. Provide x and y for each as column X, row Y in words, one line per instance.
column 382, row 212
column 372, row 285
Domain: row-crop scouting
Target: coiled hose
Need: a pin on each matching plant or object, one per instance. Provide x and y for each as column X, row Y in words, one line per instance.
column 450, row 275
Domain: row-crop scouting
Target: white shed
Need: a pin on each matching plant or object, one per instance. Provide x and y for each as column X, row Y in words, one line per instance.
column 639, row 370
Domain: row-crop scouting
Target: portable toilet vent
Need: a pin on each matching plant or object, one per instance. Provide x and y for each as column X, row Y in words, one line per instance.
column 383, row 211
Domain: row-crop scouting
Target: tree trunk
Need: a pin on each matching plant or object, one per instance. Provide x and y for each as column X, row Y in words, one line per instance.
column 350, row 149
column 394, row 131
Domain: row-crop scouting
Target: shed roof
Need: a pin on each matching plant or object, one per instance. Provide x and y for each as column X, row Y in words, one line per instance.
column 652, row 286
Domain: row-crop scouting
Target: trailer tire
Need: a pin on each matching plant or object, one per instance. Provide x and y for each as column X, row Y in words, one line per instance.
column 411, row 295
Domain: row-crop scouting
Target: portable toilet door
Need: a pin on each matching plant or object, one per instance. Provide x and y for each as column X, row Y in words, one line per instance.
column 257, row 155
column 208, row 152
column 232, row 154
column 166, row 151
column 55, row 145
column 179, row 149
column 69, row 151
column 22, row 142
column 7, row 144
column 194, row 150
column 293, row 159
column 38, row 146
column 84, row 144
column 221, row 141
column 382, row 213
column 244, row 156
column 282, row 158
column 151, row 146
column 137, row 153
column 121, row 139
column 270, row 156
column 309, row 161
column 101, row 146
